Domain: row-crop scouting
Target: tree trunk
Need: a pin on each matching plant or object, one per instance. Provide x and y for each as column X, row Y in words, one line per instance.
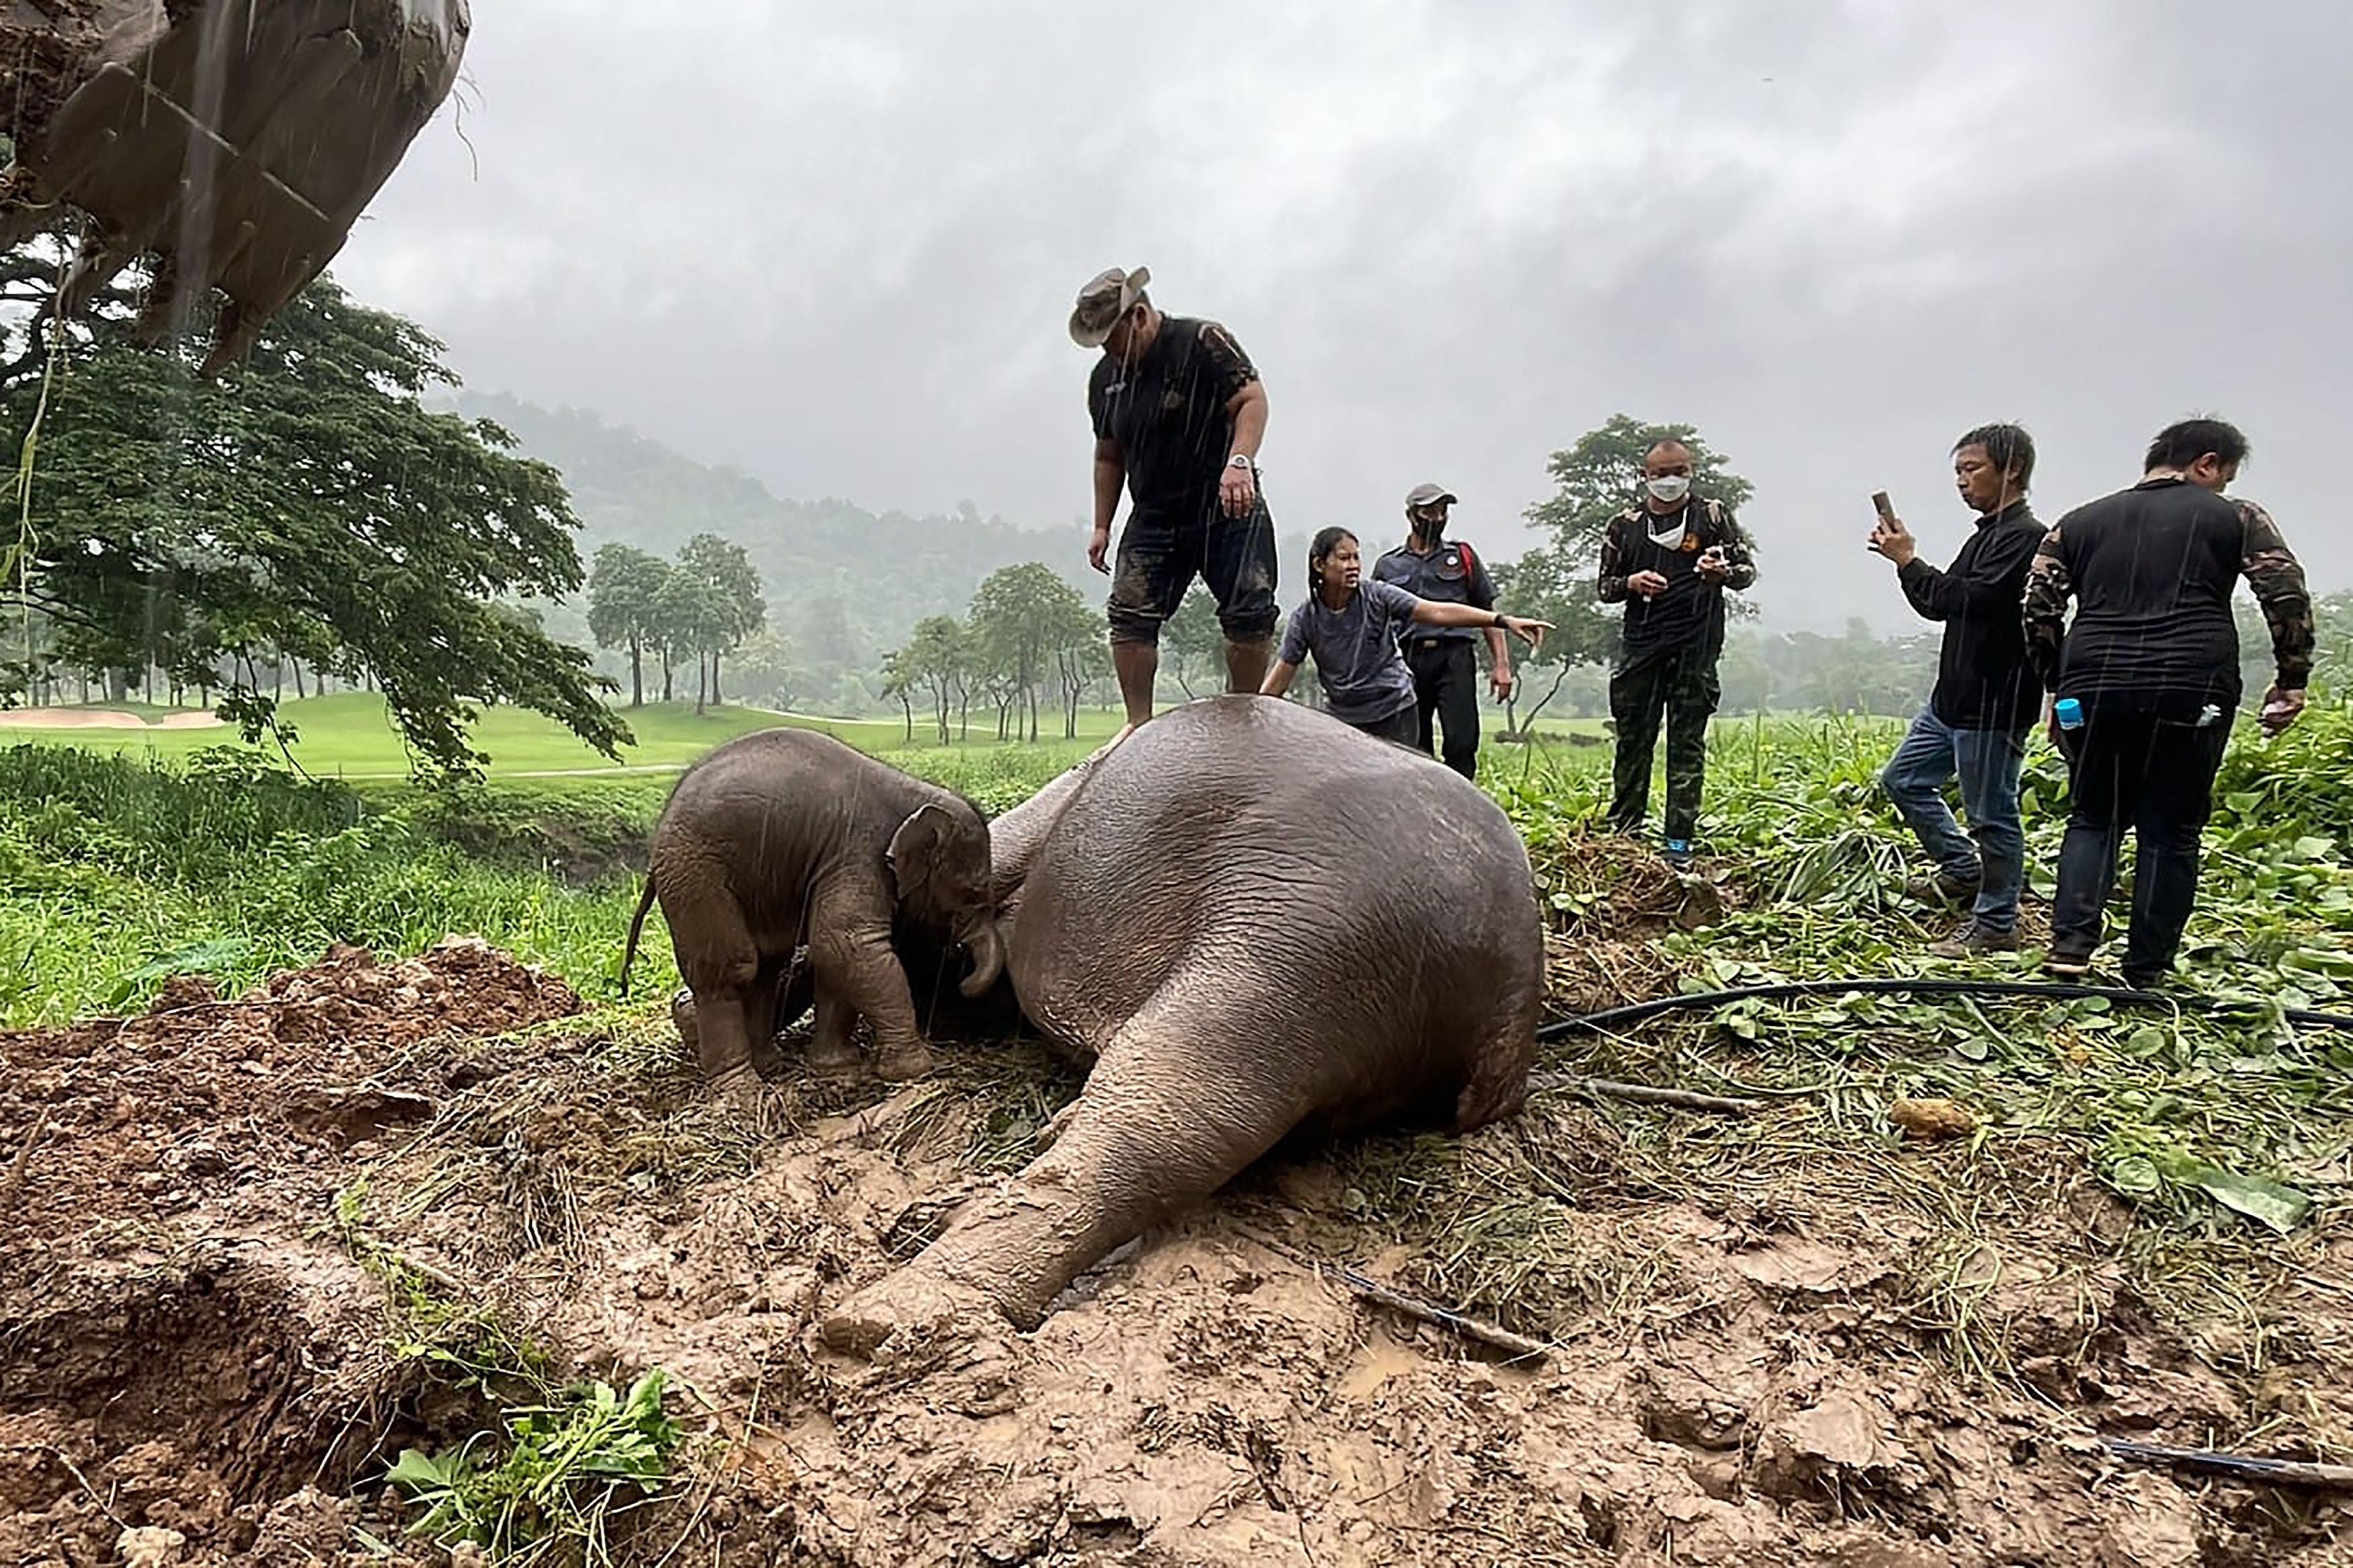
column 298, row 678
column 908, row 704
column 637, row 674
column 666, row 686
column 701, row 683
column 716, row 700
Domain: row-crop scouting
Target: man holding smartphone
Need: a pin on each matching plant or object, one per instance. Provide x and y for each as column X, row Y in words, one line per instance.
column 1975, row 722
column 1668, row 560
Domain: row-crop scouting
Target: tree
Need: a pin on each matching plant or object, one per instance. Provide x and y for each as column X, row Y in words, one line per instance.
column 308, row 504
column 899, row 683
column 735, row 609
column 1019, row 616
column 625, row 596
column 766, row 671
column 934, row 661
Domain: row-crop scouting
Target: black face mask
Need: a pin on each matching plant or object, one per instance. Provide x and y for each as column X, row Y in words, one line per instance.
column 1428, row 528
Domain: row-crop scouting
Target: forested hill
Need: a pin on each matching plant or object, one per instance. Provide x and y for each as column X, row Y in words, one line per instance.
column 828, row 567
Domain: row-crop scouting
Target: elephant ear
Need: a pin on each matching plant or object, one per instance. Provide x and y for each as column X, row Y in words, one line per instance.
column 915, row 850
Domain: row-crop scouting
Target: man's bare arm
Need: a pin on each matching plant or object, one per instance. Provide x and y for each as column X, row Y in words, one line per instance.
column 1111, row 472
column 1248, row 408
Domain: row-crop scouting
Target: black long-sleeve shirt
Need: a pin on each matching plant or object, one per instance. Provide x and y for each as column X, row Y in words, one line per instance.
column 2151, row 570
column 1983, row 679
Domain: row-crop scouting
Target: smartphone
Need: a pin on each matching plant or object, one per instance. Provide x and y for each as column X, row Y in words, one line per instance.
column 1885, row 507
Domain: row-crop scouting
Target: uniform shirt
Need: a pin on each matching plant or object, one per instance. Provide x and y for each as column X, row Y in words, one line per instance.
column 1451, row 573
column 1168, row 412
column 1356, row 648
column 2151, row 570
column 1983, row 681
column 1690, row 611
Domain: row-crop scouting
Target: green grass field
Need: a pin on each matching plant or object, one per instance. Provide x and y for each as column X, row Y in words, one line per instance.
column 350, row 736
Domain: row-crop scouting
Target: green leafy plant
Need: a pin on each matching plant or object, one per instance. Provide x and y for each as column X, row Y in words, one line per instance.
column 548, row 1488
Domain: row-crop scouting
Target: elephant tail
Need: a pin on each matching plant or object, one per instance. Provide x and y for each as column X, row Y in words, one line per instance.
column 637, row 927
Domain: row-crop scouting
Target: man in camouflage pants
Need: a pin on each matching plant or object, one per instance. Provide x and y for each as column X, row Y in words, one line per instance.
column 2153, row 662
column 1668, row 560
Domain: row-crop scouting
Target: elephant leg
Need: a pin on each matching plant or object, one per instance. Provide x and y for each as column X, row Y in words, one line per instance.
column 856, row 962
column 720, row 965
column 761, row 1002
column 1147, row 1138
column 832, row 1053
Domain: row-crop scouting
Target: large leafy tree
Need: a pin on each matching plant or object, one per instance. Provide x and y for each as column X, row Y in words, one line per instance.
column 731, row 584
column 1020, row 617
column 308, row 504
column 624, row 600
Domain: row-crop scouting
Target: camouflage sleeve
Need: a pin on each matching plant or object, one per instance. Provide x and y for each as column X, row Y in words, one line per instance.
column 1739, row 553
column 1232, row 366
column 2044, row 609
column 2272, row 572
column 1612, row 582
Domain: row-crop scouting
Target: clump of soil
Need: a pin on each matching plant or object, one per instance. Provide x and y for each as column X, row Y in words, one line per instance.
column 189, row 1349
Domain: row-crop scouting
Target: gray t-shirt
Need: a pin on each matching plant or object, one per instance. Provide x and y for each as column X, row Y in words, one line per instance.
column 1356, row 650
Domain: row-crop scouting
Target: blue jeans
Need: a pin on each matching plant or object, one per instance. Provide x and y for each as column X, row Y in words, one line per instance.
column 1987, row 761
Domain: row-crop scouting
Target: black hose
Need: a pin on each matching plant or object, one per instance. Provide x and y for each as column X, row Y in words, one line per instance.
column 1635, row 1011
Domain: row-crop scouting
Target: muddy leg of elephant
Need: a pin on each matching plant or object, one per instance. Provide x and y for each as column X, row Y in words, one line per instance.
column 856, row 965
column 1140, row 1144
column 719, row 966
column 761, row 1002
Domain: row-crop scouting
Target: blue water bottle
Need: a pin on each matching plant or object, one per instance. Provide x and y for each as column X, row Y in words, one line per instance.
column 2068, row 713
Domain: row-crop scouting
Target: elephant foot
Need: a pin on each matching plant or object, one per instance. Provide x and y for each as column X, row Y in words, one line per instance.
column 911, row 1306
column 682, row 1018
column 900, row 1065
column 840, row 1062
column 768, row 1058
column 738, row 1090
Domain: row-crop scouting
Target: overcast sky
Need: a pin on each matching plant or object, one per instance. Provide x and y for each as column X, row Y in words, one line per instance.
column 838, row 244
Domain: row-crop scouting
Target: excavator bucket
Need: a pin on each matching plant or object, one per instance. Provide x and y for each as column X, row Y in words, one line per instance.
column 230, row 145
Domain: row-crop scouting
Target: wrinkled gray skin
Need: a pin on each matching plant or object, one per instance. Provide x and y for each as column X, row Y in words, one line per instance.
column 789, row 837
column 1253, row 921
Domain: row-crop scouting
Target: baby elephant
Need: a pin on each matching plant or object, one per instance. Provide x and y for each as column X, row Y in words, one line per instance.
column 789, row 837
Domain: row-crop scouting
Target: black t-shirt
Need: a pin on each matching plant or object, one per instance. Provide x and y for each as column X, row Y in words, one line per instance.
column 1690, row 610
column 1168, row 412
column 2153, row 569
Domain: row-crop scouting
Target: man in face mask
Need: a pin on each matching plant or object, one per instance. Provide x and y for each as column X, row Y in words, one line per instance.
column 1429, row 565
column 1668, row 560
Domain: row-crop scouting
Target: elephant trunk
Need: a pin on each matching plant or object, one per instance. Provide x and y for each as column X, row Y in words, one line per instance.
column 986, row 946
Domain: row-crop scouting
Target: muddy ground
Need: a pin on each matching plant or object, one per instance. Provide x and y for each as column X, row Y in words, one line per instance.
column 234, row 1233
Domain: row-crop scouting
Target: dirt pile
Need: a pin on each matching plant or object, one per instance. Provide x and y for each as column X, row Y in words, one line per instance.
column 196, row 1368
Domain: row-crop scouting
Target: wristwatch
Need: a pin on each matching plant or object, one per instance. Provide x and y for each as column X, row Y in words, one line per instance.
column 1240, row 460
column 1501, row 619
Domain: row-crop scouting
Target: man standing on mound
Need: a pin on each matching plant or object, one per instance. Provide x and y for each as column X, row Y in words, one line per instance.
column 1668, row 560
column 1178, row 411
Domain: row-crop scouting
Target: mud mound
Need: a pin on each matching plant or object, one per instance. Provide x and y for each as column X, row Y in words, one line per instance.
column 1611, row 898
column 179, row 1349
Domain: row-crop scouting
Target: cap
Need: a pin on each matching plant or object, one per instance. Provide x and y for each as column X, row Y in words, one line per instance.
column 1426, row 495
column 1107, row 297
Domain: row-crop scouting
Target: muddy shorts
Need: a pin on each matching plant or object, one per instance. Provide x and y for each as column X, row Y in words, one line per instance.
column 1161, row 552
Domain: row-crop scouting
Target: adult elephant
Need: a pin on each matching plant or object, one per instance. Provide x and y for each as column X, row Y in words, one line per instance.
column 1252, row 920
column 785, row 838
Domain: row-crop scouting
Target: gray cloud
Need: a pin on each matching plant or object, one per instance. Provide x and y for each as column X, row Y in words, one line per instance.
column 837, row 245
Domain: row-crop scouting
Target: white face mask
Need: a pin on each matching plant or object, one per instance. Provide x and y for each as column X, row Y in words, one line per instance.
column 1669, row 489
